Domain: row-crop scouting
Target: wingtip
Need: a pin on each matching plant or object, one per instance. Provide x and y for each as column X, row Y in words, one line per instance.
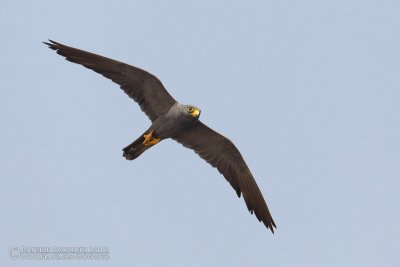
column 52, row 44
column 49, row 43
column 271, row 226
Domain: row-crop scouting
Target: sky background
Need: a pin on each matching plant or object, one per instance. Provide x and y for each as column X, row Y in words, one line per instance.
column 309, row 91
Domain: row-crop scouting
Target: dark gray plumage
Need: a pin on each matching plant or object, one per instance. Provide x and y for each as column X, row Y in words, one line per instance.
column 171, row 119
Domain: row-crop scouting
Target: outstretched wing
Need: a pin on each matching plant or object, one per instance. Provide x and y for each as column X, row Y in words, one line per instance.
column 141, row 86
column 221, row 153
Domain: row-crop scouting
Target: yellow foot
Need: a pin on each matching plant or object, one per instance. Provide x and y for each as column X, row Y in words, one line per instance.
column 149, row 139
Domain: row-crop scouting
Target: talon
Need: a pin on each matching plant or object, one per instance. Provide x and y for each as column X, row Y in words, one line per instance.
column 149, row 139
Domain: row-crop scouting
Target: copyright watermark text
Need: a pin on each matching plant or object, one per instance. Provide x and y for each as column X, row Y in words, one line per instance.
column 59, row 253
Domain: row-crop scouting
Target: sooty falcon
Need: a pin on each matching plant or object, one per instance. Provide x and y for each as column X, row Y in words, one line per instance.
column 171, row 119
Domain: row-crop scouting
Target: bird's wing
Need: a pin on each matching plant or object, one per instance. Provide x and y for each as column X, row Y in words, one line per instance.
column 221, row 153
column 141, row 86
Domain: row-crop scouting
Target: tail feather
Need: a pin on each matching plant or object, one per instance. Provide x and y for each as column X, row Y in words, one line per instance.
column 135, row 149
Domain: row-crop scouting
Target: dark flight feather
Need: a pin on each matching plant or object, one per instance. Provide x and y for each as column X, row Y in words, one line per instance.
column 138, row 84
column 222, row 154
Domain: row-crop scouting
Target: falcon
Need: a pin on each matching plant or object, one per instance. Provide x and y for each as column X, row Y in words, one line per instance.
column 171, row 119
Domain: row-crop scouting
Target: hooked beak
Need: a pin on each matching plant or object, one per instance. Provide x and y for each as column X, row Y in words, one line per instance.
column 195, row 113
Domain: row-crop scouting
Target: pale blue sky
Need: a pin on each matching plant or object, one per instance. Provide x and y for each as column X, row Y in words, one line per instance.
column 309, row 91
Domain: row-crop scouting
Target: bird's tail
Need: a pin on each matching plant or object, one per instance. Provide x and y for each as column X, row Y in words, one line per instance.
column 135, row 149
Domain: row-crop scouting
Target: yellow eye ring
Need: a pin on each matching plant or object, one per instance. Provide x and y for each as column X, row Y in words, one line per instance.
column 190, row 109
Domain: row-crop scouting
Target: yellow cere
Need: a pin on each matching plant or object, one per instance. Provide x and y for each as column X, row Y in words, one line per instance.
column 195, row 113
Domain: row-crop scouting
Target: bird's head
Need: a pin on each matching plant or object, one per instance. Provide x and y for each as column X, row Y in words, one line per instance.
column 193, row 111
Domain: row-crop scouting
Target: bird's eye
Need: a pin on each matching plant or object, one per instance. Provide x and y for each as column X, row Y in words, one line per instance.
column 190, row 109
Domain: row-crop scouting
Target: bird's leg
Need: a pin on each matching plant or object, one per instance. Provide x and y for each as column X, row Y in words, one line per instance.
column 149, row 139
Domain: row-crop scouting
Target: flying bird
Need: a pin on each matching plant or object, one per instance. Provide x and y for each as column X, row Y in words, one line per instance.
column 171, row 119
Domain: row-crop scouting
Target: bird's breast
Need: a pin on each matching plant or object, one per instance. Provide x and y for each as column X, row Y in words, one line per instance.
column 168, row 127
